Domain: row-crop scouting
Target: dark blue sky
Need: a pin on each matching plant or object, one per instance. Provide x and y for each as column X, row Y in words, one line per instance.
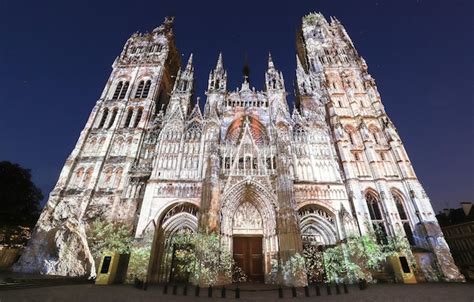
column 55, row 57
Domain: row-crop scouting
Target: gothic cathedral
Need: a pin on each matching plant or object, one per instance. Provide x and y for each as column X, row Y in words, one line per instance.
column 248, row 167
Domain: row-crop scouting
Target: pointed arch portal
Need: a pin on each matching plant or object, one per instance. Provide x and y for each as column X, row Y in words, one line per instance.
column 248, row 225
column 318, row 225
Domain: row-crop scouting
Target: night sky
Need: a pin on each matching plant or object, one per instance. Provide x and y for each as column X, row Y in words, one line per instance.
column 55, row 58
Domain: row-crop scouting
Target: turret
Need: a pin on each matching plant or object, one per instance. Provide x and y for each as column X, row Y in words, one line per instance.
column 218, row 77
column 273, row 78
column 182, row 92
column 185, row 79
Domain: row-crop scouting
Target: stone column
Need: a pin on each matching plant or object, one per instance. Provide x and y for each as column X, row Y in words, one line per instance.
column 210, row 197
column 288, row 228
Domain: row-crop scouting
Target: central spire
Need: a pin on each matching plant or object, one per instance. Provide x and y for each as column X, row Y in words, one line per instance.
column 270, row 62
column 246, row 70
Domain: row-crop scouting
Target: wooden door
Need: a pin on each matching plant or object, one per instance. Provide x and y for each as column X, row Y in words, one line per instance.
column 248, row 256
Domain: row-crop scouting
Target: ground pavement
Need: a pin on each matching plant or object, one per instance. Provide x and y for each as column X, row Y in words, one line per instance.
column 381, row 292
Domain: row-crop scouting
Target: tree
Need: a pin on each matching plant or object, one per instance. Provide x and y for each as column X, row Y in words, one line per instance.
column 106, row 236
column 19, row 197
column 208, row 262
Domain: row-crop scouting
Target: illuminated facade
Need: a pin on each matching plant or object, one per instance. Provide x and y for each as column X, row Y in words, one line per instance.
column 248, row 167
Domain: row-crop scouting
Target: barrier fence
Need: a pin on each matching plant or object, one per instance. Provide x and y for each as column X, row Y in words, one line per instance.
column 307, row 291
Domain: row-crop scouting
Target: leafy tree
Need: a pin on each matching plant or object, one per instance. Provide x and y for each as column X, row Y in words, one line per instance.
column 209, row 260
column 106, row 236
column 357, row 256
column 138, row 264
column 19, row 197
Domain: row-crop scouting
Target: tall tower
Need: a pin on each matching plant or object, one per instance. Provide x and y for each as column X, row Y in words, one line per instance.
column 383, row 189
column 101, row 179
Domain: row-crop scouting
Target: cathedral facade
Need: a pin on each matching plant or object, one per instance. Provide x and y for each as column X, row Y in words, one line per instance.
column 266, row 177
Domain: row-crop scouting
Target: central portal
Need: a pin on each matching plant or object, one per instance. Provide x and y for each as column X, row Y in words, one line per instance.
column 248, row 256
column 247, row 234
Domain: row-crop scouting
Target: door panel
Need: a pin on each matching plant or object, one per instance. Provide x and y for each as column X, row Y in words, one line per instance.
column 248, row 255
column 240, row 247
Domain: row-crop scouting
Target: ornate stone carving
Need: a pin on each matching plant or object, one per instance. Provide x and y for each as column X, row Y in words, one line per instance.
column 247, row 220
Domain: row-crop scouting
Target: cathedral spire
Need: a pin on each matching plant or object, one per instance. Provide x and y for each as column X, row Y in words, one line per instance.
column 299, row 66
column 270, row 62
column 217, row 77
column 273, row 78
column 183, row 90
column 189, row 66
column 246, row 70
column 220, row 64
column 185, row 78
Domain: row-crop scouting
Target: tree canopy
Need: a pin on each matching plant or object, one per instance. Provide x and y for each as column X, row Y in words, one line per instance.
column 19, row 197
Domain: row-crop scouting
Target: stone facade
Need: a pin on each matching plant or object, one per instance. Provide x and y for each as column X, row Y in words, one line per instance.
column 246, row 165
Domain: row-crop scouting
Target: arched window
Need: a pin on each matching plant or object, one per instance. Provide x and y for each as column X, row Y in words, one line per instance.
column 124, row 90
column 351, row 134
column 138, row 94
column 375, row 133
column 146, row 89
column 128, row 118
column 117, row 177
column 107, row 178
column 373, row 205
column 105, row 113
column 87, row 177
column 403, row 217
column 91, row 145
column 118, row 146
column 138, row 117
column 400, row 208
column 78, row 176
column 112, row 119
column 101, row 144
column 378, row 225
column 129, row 143
column 117, row 90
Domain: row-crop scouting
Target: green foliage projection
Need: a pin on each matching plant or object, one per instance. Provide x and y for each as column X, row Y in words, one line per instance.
column 105, row 236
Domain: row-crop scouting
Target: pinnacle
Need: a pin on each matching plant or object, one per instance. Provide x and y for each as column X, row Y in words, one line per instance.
column 270, row 62
column 189, row 66
column 196, row 112
column 220, row 64
column 299, row 66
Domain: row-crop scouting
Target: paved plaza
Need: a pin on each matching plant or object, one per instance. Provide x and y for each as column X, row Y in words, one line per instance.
column 116, row 293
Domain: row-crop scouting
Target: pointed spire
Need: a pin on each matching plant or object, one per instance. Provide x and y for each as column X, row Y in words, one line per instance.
column 273, row 77
column 220, row 64
column 299, row 66
column 270, row 61
column 189, row 66
column 218, row 77
column 246, row 70
column 178, row 76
